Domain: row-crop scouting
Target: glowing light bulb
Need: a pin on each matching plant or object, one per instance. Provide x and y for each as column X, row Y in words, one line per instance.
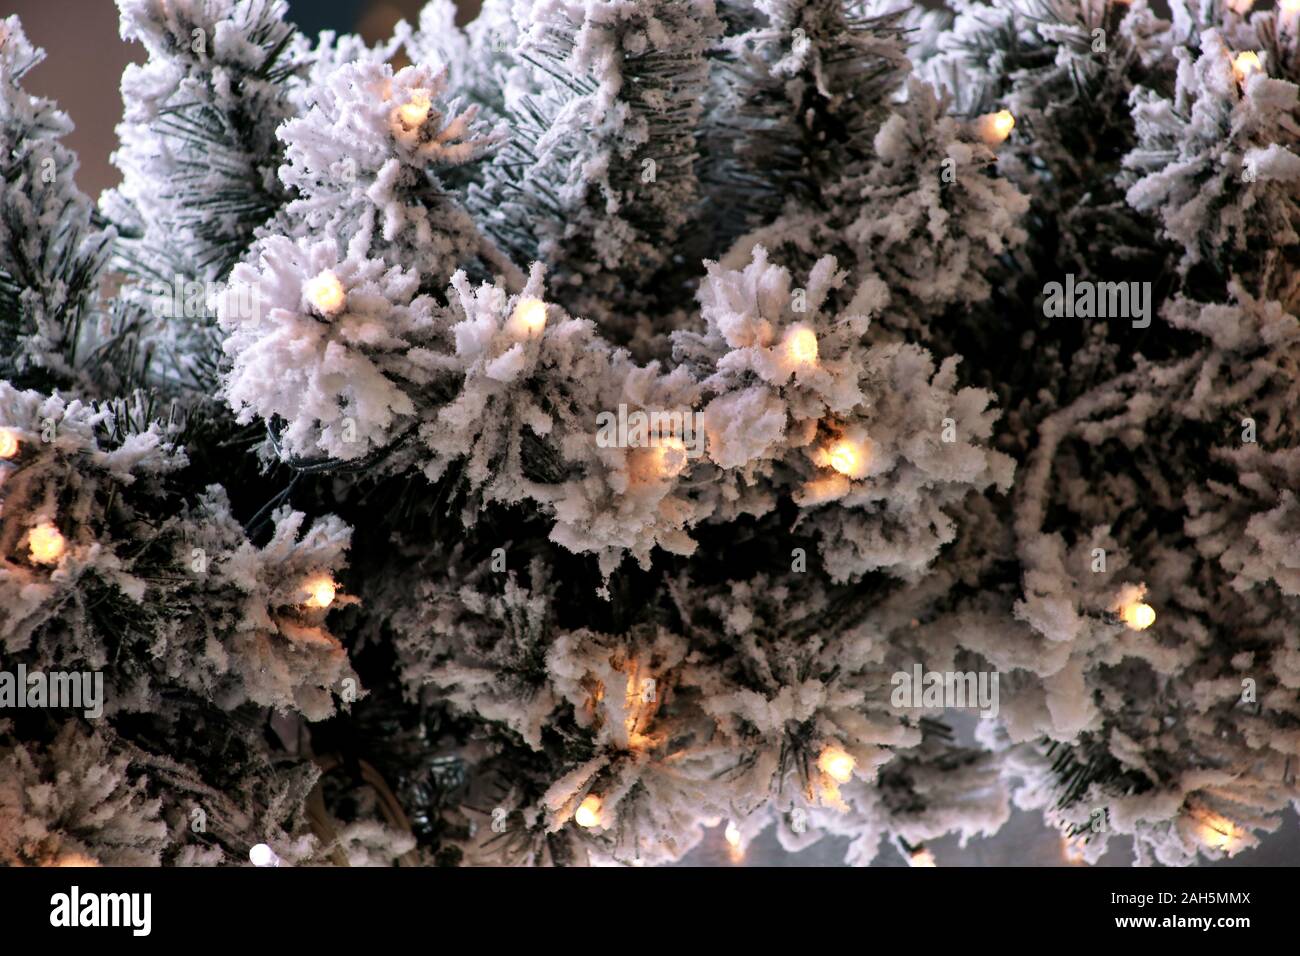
column 735, row 851
column 8, row 443
column 320, row 592
column 46, row 544
column 801, row 345
column 850, row 458
column 732, row 833
column 326, row 294
column 415, row 111
column 1137, row 615
column 263, row 855
column 670, row 456
column 588, row 814
column 528, row 318
column 1219, row 832
column 921, row 857
column 1245, row 64
column 844, row 457
column 1072, row 850
column 836, row 764
column 993, row 128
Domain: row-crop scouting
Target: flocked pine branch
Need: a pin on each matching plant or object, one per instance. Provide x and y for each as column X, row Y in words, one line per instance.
column 378, row 563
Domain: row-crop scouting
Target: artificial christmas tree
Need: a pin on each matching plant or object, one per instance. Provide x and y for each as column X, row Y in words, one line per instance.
column 574, row 440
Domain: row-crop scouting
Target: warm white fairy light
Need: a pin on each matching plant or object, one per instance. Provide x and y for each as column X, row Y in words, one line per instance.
column 8, row 443
column 1137, row 615
column 921, row 857
column 836, row 764
column 994, row 128
column 1072, row 850
column 326, row 294
column 732, row 835
column 263, row 855
column 1246, row 64
column 639, row 701
column 588, row 814
column 1219, row 832
column 529, row 318
column 850, row 455
column 415, row 111
column 670, row 457
column 844, row 456
column 46, row 544
column 320, row 591
column 801, row 345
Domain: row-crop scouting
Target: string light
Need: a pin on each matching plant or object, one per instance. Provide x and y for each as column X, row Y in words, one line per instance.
column 1219, row 832
column 640, row 700
column 263, row 855
column 46, row 544
column 1245, row 64
column 1072, row 850
column 1138, row 615
column 670, row 456
column 801, row 345
column 588, row 814
column 415, row 111
column 848, row 455
column 8, row 443
column 529, row 318
column 320, row 592
column 326, row 294
column 921, row 857
column 844, row 457
column 994, row 128
column 732, row 834
column 836, row 764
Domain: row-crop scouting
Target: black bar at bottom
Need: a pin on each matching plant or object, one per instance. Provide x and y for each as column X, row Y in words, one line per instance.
column 466, row 908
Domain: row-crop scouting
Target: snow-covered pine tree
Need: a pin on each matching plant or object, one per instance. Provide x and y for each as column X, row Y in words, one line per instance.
column 51, row 256
column 332, row 455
